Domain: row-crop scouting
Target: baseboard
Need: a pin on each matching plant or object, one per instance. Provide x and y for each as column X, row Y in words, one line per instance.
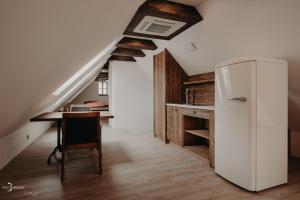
column 15, row 143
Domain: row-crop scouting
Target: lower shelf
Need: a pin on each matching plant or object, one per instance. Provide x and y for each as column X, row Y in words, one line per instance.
column 200, row 150
column 201, row 133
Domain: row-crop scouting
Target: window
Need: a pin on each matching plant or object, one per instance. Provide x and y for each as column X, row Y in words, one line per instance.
column 103, row 88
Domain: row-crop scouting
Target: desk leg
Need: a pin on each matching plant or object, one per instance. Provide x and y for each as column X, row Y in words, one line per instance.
column 58, row 124
column 58, row 145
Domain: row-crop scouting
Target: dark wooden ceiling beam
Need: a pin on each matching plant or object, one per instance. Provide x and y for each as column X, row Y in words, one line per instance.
column 136, row 43
column 120, row 51
column 102, row 76
column 122, row 58
column 101, row 79
column 163, row 9
column 106, row 65
column 103, row 73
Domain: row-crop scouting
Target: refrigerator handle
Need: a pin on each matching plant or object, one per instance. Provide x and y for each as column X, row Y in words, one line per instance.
column 238, row 99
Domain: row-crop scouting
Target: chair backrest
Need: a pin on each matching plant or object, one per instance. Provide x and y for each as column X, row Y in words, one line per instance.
column 80, row 108
column 81, row 128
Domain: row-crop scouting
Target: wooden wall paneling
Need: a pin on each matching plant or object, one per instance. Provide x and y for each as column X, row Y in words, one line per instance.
column 202, row 93
column 204, row 76
column 175, row 78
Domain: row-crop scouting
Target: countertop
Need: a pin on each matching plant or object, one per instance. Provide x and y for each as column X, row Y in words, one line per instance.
column 192, row 106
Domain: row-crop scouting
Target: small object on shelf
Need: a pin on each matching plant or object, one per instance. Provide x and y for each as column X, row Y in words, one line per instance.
column 199, row 82
column 187, row 90
column 66, row 107
column 200, row 133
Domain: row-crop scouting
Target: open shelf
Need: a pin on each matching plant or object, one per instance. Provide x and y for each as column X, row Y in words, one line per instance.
column 201, row 150
column 199, row 82
column 201, row 133
column 196, row 135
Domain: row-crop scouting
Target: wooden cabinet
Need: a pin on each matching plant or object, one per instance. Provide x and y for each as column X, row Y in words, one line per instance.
column 193, row 129
column 174, row 125
column 168, row 88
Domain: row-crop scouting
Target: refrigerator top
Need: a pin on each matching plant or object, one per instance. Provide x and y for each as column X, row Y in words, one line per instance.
column 249, row 58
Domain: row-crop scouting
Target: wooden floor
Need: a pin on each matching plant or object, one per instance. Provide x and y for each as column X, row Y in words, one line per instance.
column 136, row 166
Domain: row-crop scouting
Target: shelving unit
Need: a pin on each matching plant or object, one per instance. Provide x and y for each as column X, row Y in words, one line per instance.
column 201, row 133
column 196, row 135
column 199, row 82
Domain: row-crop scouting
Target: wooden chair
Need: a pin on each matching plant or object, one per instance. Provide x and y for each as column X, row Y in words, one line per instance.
column 80, row 108
column 80, row 131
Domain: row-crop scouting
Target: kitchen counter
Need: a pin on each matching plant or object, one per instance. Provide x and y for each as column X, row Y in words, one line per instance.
column 192, row 106
column 193, row 128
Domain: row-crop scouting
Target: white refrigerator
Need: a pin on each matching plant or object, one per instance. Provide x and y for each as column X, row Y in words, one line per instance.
column 251, row 132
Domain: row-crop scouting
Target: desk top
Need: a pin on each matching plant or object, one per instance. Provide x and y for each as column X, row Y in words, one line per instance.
column 212, row 108
column 56, row 116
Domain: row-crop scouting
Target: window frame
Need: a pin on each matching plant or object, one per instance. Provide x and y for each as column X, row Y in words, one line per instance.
column 101, row 88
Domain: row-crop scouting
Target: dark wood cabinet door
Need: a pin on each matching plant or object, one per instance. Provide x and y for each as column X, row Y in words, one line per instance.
column 174, row 125
column 177, row 126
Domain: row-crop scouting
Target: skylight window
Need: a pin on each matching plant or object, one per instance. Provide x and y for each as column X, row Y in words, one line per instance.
column 63, row 98
column 84, row 69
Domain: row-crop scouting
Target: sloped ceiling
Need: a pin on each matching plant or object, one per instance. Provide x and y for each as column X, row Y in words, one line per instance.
column 43, row 43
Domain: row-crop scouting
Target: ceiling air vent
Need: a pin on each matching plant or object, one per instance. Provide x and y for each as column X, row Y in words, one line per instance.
column 158, row 26
column 162, row 19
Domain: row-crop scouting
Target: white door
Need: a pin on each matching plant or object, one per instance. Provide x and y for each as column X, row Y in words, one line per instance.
column 235, row 118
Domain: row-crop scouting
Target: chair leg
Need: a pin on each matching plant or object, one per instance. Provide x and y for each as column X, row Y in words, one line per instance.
column 62, row 168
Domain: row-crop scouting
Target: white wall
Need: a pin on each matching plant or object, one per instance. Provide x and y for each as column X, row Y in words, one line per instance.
column 15, row 143
column 89, row 94
column 131, row 95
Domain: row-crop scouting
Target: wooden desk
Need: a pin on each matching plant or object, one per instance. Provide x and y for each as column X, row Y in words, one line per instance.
column 57, row 117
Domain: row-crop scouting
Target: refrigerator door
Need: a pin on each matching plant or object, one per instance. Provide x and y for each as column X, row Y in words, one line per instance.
column 235, row 123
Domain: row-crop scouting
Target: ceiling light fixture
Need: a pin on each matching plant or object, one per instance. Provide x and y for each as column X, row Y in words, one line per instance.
column 191, row 47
